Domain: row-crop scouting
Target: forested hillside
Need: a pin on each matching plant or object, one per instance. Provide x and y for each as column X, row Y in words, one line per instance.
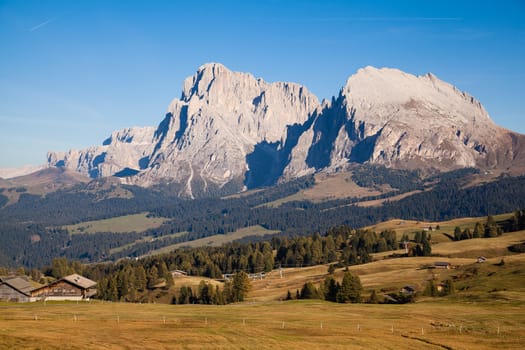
column 32, row 235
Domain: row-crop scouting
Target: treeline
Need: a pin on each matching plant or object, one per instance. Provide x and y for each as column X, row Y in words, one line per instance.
column 348, row 291
column 28, row 225
column 491, row 228
column 342, row 246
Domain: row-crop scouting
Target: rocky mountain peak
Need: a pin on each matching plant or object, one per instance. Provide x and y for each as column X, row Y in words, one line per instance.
column 230, row 130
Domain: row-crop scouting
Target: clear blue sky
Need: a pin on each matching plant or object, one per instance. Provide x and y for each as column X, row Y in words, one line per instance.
column 73, row 71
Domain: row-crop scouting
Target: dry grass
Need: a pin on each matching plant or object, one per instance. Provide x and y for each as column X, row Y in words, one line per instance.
column 276, row 325
column 329, row 187
column 218, row 240
column 128, row 223
column 378, row 202
column 410, row 227
column 340, row 185
column 487, row 313
column 472, row 248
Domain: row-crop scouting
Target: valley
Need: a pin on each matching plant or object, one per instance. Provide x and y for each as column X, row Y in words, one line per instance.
column 485, row 312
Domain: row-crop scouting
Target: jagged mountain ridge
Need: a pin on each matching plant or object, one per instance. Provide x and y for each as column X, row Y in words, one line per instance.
column 230, row 131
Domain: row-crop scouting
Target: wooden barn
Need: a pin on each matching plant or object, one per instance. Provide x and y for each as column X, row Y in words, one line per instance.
column 15, row 288
column 72, row 287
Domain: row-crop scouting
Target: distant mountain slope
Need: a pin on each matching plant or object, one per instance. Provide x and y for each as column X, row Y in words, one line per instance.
column 8, row 173
column 230, row 131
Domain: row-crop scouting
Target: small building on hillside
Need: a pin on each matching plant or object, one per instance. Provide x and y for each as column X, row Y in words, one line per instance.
column 442, row 265
column 72, row 287
column 409, row 290
column 178, row 273
column 15, row 288
column 481, row 259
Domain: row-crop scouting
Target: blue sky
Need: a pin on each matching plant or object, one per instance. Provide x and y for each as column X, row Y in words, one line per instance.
column 73, row 71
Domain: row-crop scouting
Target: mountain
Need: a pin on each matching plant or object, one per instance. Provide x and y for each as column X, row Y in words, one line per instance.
column 9, row 173
column 230, row 131
column 124, row 152
column 391, row 118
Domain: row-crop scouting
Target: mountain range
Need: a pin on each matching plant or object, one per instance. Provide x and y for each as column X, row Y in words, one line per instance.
column 230, row 131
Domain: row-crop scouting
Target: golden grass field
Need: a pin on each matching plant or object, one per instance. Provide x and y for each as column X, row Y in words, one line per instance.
column 128, row 223
column 273, row 325
column 487, row 311
column 218, row 240
column 331, row 186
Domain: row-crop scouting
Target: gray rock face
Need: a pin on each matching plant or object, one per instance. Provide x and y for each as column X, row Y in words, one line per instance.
column 231, row 130
column 125, row 151
column 387, row 117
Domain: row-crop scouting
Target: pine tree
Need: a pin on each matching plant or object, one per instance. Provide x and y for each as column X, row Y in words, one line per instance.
column 350, row 289
column 227, row 292
column 112, row 289
column 122, row 284
column 219, row 296
column 309, row 291
column 457, row 233
column 185, row 295
column 374, row 299
column 427, row 249
column 330, row 289
column 478, row 230
column 140, row 278
column 448, row 287
column 430, row 289
column 240, row 286
column 153, row 276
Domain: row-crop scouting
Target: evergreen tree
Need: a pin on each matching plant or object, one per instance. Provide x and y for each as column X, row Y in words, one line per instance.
column 427, row 249
column 240, row 286
column 491, row 228
column 350, row 289
column 227, row 292
column 448, row 287
column 457, row 233
column 219, row 296
column 466, row 234
column 152, row 276
column 478, row 231
column 140, row 278
column 374, row 299
column 122, row 284
column 112, row 289
column 185, row 295
column 330, row 288
column 430, row 289
column 60, row 268
column 309, row 291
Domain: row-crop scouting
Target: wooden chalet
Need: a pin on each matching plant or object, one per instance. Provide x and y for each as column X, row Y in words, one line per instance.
column 442, row 265
column 178, row 273
column 481, row 259
column 72, row 287
column 15, row 288
column 409, row 290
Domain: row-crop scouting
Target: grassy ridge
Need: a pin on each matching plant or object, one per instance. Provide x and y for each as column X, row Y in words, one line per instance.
column 128, row 223
column 218, row 240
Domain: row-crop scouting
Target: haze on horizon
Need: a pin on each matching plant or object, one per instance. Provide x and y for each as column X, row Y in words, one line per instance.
column 72, row 72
